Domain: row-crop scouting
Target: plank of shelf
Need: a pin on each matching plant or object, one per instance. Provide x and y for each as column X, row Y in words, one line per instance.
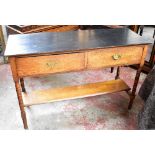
column 74, row 92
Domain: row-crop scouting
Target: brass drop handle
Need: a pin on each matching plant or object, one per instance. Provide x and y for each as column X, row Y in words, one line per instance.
column 116, row 56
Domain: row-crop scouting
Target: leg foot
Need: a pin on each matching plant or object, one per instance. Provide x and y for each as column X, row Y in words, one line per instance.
column 131, row 102
column 23, row 114
column 129, row 106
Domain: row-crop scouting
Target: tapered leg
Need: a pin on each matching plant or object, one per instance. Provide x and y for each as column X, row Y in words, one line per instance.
column 16, row 79
column 22, row 85
column 117, row 73
column 132, row 95
column 112, row 69
column 154, row 33
column 141, row 30
column 21, row 105
column 152, row 58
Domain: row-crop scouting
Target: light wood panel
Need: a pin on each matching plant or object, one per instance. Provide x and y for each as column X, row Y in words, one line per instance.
column 72, row 92
column 104, row 57
column 90, row 59
column 28, row 66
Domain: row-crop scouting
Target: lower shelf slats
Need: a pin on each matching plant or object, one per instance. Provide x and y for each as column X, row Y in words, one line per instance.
column 73, row 92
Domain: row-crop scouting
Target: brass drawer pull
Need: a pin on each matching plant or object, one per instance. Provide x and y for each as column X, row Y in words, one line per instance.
column 116, row 56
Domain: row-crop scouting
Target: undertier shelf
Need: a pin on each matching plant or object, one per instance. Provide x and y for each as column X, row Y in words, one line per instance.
column 73, row 92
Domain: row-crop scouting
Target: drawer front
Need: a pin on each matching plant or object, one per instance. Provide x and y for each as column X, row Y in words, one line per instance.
column 114, row 57
column 28, row 66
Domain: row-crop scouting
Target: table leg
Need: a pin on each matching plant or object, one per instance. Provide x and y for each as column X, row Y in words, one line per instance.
column 16, row 79
column 112, row 69
column 117, row 73
column 132, row 95
column 22, row 85
column 21, row 105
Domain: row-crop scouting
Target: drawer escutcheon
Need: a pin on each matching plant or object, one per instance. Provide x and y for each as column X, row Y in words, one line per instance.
column 51, row 64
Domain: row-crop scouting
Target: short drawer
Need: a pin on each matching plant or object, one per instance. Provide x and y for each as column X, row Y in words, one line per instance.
column 28, row 66
column 111, row 57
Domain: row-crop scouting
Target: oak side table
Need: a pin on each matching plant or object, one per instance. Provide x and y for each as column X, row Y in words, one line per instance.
column 53, row 52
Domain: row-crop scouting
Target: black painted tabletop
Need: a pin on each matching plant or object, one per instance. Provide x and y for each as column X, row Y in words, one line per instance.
column 64, row 42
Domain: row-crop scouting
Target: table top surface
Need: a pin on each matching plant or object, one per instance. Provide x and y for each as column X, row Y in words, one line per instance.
column 67, row 42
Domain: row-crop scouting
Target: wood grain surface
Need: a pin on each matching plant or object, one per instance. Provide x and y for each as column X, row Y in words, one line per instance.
column 104, row 57
column 72, row 92
column 40, row 65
